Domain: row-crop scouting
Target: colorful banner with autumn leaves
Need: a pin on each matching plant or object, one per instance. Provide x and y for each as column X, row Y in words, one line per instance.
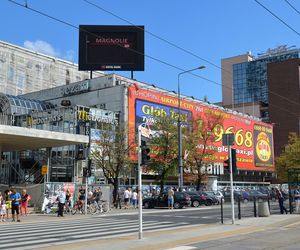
column 253, row 139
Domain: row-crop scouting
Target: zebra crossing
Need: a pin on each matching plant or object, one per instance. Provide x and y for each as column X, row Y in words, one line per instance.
column 64, row 231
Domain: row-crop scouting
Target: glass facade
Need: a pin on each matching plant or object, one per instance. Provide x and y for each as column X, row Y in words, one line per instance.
column 250, row 83
column 64, row 161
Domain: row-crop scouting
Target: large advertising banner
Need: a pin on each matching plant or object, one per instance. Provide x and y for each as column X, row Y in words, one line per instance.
column 253, row 139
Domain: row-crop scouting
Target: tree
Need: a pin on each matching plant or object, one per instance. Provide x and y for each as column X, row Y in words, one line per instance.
column 111, row 154
column 164, row 143
column 199, row 145
column 289, row 158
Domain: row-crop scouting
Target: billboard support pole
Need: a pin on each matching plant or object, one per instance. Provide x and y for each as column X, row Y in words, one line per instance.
column 140, row 183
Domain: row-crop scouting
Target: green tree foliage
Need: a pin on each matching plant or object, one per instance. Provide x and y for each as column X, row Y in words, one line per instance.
column 289, row 158
column 111, row 154
column 198, row 142
column 164, row 148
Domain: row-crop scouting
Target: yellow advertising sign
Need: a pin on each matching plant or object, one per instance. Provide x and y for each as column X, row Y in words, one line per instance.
column 44, row 169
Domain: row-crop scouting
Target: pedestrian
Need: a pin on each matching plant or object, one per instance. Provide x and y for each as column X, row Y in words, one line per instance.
column 297, row 199
column 15, row 198
column 97, row 195
column 81, row 197
column 2, row 210
column 119, row 196
column 24, row 203
column 134, row 198
column 61, row 203
column 280, row 201
column 7, row 199
column 126, row 198
column 89, row 196
column 170, row 198
column 130, row 197
column 68, row 197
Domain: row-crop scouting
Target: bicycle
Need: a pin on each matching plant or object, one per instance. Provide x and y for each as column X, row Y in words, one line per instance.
column 99, row 207
column 77, row 208
column 68, row 208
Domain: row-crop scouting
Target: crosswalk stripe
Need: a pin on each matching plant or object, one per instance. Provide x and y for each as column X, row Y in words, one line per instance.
column 28, row 235
column 57, row 230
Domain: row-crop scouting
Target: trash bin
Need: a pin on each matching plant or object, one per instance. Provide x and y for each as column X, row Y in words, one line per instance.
column 263, row 209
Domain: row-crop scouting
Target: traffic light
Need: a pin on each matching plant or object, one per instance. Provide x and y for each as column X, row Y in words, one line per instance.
column 89, row 168
column 226, row 163
column 233, row 155
column 84, row 172
column 233, row 161
column 145, row 152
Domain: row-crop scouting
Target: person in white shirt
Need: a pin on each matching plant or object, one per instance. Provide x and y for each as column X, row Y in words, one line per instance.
column 126, row 198
column 61, row 203
column 134, row 198
column 2, row 210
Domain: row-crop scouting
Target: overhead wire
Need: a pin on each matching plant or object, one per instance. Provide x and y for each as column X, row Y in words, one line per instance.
column 178, row 47
column 148, row 56
column 277, row 17
column 292, row 6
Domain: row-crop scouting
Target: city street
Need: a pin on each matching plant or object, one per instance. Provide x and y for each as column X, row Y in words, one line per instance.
column 37, row 231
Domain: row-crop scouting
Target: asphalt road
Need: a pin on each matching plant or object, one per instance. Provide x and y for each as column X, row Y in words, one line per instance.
column 202, row 215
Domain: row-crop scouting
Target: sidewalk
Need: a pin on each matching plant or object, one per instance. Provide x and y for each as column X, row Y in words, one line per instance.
column 167, row 239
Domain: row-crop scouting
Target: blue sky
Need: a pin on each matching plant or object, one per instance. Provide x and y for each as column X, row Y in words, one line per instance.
column 209, row 29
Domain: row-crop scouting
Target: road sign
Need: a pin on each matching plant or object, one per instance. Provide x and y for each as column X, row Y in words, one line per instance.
column 44, row 169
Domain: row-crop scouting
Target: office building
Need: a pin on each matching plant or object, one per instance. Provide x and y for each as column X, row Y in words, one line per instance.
column 266, row 86
column 23, row 70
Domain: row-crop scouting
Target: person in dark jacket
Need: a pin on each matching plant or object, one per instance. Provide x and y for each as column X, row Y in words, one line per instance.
column 280, row 198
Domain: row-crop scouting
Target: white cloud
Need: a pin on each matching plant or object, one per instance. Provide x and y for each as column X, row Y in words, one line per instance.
column 69, row 55
column 42, row 47
column 48, row 49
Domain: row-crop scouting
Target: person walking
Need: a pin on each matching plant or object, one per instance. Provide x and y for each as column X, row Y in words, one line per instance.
column 15, row 204
column 61, row 203
column 170, row 198
column 126, row 198
column 119, row 196
column 7, row 199
column 24, row 203
column 134, row 198
column 281, row 201
column 297, row 199
column 2, row 210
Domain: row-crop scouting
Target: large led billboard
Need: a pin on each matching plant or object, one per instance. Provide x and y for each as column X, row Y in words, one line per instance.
column 114, row 48
column 253, row 139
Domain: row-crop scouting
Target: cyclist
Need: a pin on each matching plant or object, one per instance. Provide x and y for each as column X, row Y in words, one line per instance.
column 81, row 197
column 97, row 195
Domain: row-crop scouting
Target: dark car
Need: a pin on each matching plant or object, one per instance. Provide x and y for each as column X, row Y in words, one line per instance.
column 197, row 198
column 211, row 198
column 246, row 196
column 181, row 199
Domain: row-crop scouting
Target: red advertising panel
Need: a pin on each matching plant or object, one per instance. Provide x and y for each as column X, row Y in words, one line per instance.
column 253, row 139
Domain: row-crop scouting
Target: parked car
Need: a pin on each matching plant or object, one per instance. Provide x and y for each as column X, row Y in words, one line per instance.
column 216, row 194
column 198, row 199
column 211, row 198
column 181, row 199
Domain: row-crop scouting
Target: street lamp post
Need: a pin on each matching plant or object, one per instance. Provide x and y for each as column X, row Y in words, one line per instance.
column 180, row 164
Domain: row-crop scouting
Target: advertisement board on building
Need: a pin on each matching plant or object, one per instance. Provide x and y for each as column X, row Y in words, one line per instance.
column 253, row 139
column 107, row 47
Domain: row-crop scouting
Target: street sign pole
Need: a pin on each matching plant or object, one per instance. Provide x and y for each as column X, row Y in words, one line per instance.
column 231, row 184
column 228, row 140
column 140, row 183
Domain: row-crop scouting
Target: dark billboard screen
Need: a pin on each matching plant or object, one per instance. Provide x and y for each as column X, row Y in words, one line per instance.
column 112, row 48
